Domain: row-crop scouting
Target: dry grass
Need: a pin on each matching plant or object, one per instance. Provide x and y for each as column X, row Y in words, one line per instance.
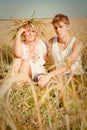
column 61, row 104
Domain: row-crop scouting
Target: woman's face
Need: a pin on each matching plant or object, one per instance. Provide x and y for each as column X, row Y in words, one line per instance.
column 61, row 29
column 30, row 34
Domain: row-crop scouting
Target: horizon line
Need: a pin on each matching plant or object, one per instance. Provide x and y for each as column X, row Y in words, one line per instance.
column 29, row 18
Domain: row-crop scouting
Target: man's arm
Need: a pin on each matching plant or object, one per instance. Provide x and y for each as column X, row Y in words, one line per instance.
column 76, row 51
column 69, row 60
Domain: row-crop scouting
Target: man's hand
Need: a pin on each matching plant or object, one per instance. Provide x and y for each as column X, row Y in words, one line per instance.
column 43, row 79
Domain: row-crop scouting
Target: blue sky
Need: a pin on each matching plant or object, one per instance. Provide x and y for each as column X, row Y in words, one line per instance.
column 42, row 8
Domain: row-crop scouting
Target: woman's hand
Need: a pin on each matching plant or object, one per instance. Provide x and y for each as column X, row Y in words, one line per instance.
column 21, row 31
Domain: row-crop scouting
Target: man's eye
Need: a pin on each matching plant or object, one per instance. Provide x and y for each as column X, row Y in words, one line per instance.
column 55, row 28
column 60, row 26
column 33, row 31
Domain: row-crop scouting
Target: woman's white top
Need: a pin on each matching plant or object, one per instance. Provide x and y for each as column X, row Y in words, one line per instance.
column 37, row 64
column 59, row 56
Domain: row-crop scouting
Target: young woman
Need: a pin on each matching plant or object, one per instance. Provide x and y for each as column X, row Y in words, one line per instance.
column 30, row 53
column 65, row 50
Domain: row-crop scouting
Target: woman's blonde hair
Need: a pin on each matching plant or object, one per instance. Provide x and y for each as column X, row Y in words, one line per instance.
column 30, row 24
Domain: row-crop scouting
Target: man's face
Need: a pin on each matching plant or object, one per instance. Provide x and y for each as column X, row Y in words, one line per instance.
column 61, row 29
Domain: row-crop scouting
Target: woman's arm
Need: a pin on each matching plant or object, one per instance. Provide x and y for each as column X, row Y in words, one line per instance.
column 17, row 46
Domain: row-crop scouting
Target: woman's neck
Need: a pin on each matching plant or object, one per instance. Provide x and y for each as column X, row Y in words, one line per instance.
column 31, row 43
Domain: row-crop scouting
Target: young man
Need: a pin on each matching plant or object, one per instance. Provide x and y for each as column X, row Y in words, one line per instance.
column 65, row 50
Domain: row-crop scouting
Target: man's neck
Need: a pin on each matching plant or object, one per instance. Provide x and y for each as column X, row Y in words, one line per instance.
column 64, row 40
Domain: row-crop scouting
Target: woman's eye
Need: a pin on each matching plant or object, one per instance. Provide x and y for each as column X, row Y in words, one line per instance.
column 31, row 31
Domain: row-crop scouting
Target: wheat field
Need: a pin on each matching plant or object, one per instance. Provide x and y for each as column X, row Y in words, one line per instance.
column 60, row 105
